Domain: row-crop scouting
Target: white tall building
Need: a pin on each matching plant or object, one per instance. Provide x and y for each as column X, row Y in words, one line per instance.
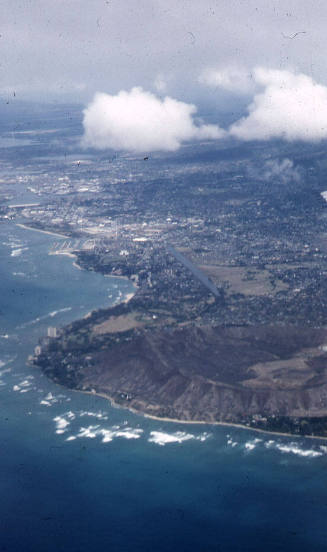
column 52, row 332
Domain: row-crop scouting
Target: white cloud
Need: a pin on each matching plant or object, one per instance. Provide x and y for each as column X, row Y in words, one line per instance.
column 274, row 170
column 283, row 171
column 160, row 83
column 232, row 79
column 291, row 106
column 139, row 121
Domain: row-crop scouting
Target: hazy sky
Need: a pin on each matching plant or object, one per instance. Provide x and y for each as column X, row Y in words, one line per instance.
column 145, row 69
column 74, row 48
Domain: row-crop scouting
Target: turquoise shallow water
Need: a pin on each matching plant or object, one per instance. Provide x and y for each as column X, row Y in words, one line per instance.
column 79, row 475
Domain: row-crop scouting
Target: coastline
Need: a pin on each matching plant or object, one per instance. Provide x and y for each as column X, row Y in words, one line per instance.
column 195, row 422
column 25, row 226
column 74, row 256
column 114, row 404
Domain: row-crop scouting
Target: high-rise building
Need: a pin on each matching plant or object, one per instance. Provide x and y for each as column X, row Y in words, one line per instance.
column 52, row 332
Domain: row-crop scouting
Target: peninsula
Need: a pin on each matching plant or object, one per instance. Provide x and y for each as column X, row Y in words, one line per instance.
column 158, row 354
column 229, row 258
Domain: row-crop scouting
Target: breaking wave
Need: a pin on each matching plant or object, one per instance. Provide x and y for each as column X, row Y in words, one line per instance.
column 63, row 422
column 292, row 447
column 51, row 314
column 50, row 399
column 97, row 415
column 162, row 438
column 25, row 385
column 107, row 435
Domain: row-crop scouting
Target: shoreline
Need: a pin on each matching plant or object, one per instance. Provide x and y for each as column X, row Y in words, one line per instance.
column 194, row 422
column 26, row 227
column 74, row 256
column 127, row 298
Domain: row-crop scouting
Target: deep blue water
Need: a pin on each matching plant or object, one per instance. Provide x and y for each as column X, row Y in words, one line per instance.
column 79, row 475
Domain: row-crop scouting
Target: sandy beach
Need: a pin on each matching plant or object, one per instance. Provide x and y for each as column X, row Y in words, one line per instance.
column 198, row 422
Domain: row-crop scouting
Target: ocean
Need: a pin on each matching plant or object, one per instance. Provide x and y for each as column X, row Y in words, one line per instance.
column 78, row 475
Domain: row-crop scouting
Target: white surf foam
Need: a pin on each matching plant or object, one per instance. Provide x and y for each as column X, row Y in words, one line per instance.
column 18, row 252
column 231, row 442
column 63, row 422
column 25, row 385
column 126, row 433
column 54, row 313
column 90, row 432
column 12, row 243
column 97, row 415
column 50, row 399
column 269, row 444
column 51, row 314
column 107, row 434
column 294, row 448
column 5, row 363
column 70, row 415
column 162, row 438
column 251, row 445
